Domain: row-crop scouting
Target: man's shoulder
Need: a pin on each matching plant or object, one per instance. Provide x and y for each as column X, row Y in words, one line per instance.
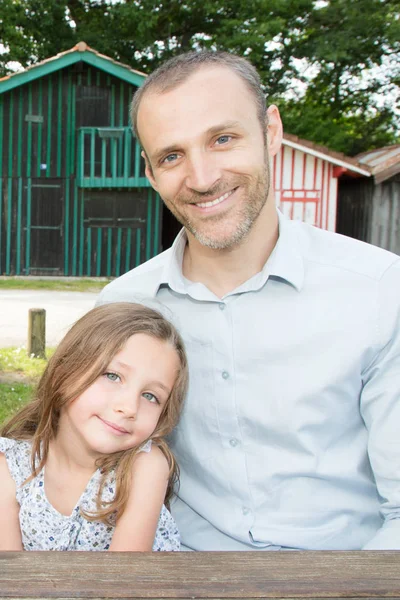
column 326, row 248
column 142, row 280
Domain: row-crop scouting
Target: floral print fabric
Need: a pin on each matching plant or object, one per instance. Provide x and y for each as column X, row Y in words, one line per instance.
column 44, row 528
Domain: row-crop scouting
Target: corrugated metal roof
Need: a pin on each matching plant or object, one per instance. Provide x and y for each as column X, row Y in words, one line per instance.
column 384, row 162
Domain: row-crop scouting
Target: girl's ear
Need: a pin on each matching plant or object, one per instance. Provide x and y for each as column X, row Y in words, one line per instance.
column 274, row 130
column 149, row 171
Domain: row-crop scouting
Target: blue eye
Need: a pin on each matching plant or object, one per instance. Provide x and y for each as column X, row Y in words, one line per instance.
column 150, row 397
column 112, row 376
column 170, row 158
column 223, row 139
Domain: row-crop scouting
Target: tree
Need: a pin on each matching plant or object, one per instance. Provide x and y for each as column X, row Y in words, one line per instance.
column 330, row 65
column 352, row 102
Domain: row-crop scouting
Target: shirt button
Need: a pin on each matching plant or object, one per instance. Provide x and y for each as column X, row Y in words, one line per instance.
column 246, row 510
column 221, row 306
column 225, row 374
column 234, row 442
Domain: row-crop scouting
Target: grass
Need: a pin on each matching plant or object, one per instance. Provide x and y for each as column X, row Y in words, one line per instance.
column 13, row 397
column 18, row 376
column 71, row 285
column 16, row 360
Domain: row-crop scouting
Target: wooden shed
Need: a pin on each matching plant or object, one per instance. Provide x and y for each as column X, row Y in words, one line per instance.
column 306, row 180
column 73, row 196
column 369, row 208
column 74, row 199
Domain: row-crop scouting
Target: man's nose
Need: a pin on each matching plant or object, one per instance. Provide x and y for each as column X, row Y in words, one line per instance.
column 202, row 171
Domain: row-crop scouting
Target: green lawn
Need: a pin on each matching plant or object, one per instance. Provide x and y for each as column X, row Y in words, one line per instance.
column 72, row 285
column 18, row 376
column 16, row 360
column 12, row 397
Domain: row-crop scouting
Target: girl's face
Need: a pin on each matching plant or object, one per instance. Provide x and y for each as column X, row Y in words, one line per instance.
column 122, row 407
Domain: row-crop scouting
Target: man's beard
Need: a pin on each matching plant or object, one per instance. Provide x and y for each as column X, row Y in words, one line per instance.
column 257, row 195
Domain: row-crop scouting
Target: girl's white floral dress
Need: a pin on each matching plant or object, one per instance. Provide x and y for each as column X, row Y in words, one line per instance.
column 44, row 528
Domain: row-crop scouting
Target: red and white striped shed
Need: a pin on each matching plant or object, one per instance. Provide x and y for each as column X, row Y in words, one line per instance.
column 306, row 175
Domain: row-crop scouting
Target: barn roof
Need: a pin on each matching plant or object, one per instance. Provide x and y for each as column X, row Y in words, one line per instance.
column 80, row 52
column 383, row 162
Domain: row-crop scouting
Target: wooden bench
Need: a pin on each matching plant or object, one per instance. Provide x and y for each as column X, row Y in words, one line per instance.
column 211, row 575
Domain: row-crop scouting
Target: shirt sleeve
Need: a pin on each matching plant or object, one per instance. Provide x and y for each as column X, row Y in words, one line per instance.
column 380, row 408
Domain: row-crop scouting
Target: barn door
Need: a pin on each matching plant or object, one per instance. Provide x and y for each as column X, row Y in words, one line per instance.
column 44, row 227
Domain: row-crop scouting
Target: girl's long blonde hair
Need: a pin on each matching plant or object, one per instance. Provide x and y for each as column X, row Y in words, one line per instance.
column 81, row 357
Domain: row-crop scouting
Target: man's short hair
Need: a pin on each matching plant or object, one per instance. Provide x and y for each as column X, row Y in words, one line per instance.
column 176, row 70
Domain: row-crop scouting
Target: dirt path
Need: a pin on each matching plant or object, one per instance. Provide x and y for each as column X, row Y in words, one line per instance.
column 11, row 378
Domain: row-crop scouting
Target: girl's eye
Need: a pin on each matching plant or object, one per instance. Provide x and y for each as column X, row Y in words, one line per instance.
column 150, row 397
column 112, row 376
column 223, row 139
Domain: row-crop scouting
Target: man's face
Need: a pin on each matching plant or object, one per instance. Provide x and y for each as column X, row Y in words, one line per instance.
column 206, row 155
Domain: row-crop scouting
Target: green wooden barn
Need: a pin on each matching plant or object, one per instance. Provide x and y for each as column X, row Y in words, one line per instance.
column 74, row 199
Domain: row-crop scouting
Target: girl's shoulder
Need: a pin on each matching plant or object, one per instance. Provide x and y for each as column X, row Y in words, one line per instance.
column 149, row 454
column 18, row 457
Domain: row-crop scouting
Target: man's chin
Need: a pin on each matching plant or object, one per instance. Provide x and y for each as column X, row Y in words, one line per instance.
column 218, row 242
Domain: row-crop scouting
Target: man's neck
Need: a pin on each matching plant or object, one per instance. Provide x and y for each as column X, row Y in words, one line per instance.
column 222, row 271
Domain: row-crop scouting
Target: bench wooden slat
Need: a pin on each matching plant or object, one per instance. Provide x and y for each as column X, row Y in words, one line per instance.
column 208, row 575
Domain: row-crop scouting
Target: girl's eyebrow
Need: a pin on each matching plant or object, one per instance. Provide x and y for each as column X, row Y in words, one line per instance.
column 117, row 364
column 160, row 385
column 120, row 364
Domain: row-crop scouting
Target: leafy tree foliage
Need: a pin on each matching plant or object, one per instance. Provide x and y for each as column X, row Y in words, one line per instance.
column 332, row 66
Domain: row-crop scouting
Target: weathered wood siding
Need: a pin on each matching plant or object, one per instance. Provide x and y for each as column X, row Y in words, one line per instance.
column 385, row 229
column 49, row 142
column 370, row 212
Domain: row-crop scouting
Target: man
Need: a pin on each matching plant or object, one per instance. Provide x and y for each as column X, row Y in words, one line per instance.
column 289, row 437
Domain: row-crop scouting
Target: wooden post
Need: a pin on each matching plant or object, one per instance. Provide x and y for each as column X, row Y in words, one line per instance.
column 37, row 333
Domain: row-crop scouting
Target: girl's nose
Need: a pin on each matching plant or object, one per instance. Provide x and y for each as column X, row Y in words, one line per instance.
column 128, row 404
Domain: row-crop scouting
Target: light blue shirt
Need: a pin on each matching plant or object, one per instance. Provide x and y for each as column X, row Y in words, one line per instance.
column 290, row 436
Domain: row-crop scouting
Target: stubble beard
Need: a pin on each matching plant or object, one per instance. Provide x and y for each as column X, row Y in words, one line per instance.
column 257, row 195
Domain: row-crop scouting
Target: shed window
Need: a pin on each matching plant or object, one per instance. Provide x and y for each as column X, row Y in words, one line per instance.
column 92, row 106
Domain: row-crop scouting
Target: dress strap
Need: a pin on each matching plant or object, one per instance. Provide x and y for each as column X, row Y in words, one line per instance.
column 146, row 447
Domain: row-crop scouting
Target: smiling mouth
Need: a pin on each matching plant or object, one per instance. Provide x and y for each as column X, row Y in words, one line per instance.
column 216, row 201
column 113, row 426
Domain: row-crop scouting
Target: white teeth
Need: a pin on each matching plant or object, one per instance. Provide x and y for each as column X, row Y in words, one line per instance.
column 214, row 202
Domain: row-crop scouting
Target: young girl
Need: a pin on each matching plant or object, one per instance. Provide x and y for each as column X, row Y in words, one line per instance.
column 85, row 466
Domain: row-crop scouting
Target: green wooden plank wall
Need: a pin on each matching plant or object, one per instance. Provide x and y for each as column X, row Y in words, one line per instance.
column 41, row 202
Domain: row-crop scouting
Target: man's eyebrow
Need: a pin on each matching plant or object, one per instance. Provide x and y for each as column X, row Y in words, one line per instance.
column 173, row 148
column 160, row 152
column 223, row 127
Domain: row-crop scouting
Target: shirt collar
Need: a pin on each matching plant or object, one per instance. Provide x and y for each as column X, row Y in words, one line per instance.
column 285, row 263
column 172, row 272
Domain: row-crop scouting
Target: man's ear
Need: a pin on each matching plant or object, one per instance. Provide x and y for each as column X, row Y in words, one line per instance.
column 148, row 171
column 274, row 130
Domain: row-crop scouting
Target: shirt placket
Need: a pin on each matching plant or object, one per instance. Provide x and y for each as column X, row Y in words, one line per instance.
column 228, row 414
